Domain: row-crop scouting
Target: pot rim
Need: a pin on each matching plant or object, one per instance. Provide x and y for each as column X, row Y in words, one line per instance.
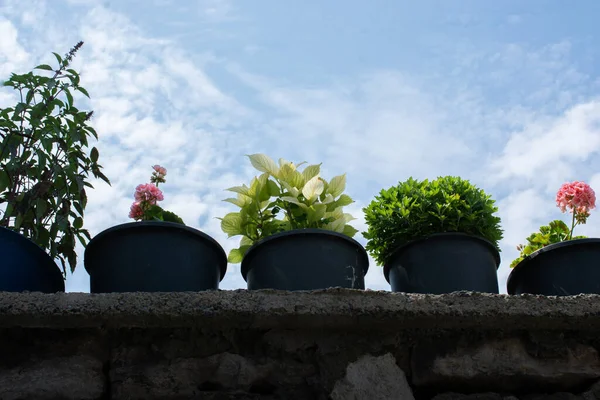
column 303, row 232
column 523, row 264
column 435, row 236
column 162, row 224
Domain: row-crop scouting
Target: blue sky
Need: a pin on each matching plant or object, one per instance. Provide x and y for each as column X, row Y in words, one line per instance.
column 501, row 93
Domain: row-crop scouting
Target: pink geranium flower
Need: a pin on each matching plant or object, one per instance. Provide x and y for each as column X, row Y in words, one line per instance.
column 160, row 170
column 158, row 176
column 148, row 192
column 146, row 195
column 577, row 197
column 136, row 212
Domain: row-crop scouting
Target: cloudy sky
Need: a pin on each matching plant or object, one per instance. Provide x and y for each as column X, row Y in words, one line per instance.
column 501, row 93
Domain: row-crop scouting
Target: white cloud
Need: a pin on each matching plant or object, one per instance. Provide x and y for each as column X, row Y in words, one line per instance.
column 12, row 54
column 548, row 145
column 378, row 129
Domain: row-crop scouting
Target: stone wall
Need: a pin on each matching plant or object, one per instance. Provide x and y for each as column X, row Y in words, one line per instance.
column 332, row 344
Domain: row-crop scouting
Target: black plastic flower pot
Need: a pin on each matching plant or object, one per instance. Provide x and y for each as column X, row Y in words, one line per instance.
column 24, row 266
column 305, row 259
column 444, row 263
column 154, row 256
column 561, row 269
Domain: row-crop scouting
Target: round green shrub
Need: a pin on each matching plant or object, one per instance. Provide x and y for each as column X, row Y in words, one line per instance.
column 415, row 209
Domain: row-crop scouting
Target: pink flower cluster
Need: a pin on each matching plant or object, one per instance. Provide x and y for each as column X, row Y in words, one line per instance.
column 136, row 212
column 158, row 176
column 147, row 194
column 578, row 197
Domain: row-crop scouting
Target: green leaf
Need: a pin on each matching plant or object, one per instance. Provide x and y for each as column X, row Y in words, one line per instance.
column 347, row 217
column 20, row 107
column 273, row 188
column 78, row 223
column 286, row 173
column 246, row 241
column 237, row 255
column 263, row 163
column 349, row 231
column 294, row 200
column 85, row 92
column 43, row 237
column 289, row 174
column 313, row 188
column 316, row 212
column 231, row 224
column 78, row 208
column 337, row 225
column 337, row 185
column 169, row 216
column 311, row 171
column 297, row 180
column 154, row 212
column 69, row 98
column 290, row 189
column 58, row 58
column 29, row 97
column 101, row 176
column 327, row 198
column 94, row 154
column 240, row 189
column 259, row 189
column 283, row 161
column 238, row 202
column 44, row 67
column 344, row 200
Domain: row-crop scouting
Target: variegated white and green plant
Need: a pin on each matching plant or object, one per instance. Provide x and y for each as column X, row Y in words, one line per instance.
column 284, row 198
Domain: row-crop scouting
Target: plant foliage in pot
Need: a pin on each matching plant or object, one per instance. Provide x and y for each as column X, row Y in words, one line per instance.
column 435, row 236
column 44, row 169
column 553, row 262
column 158, row 253
column 295, row 235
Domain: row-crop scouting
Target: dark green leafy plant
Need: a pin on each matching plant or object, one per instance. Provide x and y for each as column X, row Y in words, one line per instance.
column 416, row 209
column 44, row 160
column 283, row 198
column 555, row 232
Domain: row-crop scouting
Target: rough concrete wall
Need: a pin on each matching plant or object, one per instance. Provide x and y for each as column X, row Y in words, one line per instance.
column 333, row 344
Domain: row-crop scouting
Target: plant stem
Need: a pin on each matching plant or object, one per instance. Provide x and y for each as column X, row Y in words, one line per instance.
column 572, row 225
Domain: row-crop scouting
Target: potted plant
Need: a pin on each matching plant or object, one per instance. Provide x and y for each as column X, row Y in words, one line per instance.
column 44, row 168
column 158, row 253
column 435, row 236
column 554, row 262
column 295, row 235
